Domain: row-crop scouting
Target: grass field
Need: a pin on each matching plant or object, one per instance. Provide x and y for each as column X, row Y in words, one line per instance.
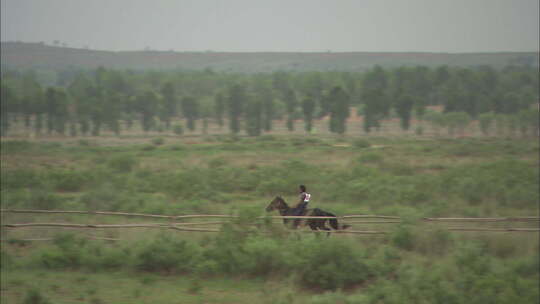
column 407, row 176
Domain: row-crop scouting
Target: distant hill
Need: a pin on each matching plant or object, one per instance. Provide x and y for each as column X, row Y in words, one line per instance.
column 41, row 56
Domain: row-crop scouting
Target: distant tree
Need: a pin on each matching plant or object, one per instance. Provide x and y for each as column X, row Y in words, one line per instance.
column 404, row 106
column 308, row 108
column 486, row 120
column 100, row 77
column 219, row 108
column 190, row 108
column 236, row 100
column 94, row 109
column 254, row 118
column 62, row 113
column 112, row 108
column 441, row 76
column 206, row 107
column 457, row 121
column 8, row 102
column 402, row 98
column 436, row 120
column 147, row 105
column 280, row 81
column 291, row 103
column 374, row 97
column 169, row 103
column 267, row 104
column 325, row 105
column 32, row 94
column 528, row 123
column 339, row 111
column 50, row 107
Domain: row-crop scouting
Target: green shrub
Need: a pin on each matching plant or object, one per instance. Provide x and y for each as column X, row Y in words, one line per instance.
column 329, row 265
column 370, row 157
column 471, row 257
column 67, row 180
column 84, row 142
column 217, row 163
column 178, row 129
column 266, row 138
column 96, row 256
column 19, row 178
column 263, row 256
column 105, row 197
column 232, row 147
column 526, row 266
column 177, row 147
column 44, row 199
column 167, row 254
column 34, row 296
column 361, row 144
column 148, row 147
column 501, row 246
column 67, row 252
column 195, row 286
column 403, row 237
column 122, row 163
column 434, row 242
column 6, row 260
column 158, row 141
column 16, row 146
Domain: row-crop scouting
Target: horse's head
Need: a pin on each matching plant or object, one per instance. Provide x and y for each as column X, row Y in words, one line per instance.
column 277, row 203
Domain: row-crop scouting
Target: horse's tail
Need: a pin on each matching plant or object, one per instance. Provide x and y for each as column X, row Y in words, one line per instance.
column 333, row 222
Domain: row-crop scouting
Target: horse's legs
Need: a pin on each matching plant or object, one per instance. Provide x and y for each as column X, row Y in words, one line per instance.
column 314, row 227
column 326, row 229
column 322, row 226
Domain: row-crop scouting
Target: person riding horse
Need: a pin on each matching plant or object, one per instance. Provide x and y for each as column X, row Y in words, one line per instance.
column 302, row 204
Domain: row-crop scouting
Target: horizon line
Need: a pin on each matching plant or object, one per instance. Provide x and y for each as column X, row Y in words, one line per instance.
column 209, row 51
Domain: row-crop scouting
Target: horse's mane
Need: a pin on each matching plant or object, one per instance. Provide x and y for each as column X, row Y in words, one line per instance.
column 282, row 200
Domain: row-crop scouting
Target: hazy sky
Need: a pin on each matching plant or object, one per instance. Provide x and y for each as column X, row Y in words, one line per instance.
column 277, row 25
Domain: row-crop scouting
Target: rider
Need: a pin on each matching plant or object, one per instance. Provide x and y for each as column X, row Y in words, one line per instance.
column 304, row 200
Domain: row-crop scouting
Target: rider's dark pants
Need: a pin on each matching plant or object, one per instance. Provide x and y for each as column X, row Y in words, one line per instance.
column 298, row 212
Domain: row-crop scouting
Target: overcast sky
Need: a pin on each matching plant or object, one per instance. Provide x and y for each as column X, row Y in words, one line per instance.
column 277, row 25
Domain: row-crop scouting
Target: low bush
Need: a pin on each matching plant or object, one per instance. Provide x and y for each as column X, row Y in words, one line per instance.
column 105, row 197
column 67, row 252
column 42, row 198
column 402, row 237
column 34, row 296
column 122, row 163
column 19, row 178
column 178, row 129
column 370, row 157
column 68, row 180
column 329, row 265
column 167, row 254
column 434, row 242
column 16, row 146
column 158, row 141
column 361, row 144
column 6, row 260
column 217, row 162
column 148, row 147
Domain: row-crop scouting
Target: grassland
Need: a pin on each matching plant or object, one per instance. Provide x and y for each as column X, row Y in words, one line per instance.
column 407, row 176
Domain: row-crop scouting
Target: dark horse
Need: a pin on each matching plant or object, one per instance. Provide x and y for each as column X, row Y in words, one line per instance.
column 279, row 204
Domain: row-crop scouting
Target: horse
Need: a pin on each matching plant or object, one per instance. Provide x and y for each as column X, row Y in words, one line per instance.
column 278, row 203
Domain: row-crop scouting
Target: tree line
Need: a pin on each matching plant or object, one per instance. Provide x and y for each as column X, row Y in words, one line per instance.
column 88, row 102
